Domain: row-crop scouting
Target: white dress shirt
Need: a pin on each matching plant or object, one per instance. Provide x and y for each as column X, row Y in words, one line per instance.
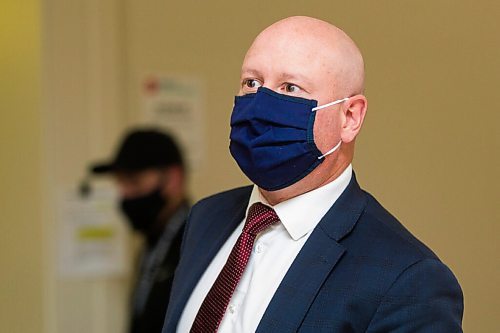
column 273, row 253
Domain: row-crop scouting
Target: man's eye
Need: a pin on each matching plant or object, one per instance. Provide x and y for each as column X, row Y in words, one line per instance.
column 251, row 83
column 291, row 88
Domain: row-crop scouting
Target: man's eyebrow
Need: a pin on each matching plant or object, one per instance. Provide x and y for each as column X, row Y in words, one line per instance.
column 283, row 76
column 253, row 72
column 294, row 78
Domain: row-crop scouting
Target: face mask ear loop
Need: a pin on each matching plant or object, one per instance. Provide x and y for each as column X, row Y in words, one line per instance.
column 330, row 151
column 330, row 104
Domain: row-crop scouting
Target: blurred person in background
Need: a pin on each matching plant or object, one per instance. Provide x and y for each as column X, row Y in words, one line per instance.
column 149, row 173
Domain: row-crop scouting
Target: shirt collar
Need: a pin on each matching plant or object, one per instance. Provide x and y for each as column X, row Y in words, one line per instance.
column 301, row 214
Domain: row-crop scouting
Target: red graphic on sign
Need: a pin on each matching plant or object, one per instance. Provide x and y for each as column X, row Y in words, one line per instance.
column 151, row 86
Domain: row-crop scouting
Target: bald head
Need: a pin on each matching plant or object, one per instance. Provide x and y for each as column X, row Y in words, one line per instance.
column 316, row 46
column 312, row 59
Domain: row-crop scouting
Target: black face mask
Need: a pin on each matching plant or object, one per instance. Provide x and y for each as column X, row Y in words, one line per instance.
column 143, row 212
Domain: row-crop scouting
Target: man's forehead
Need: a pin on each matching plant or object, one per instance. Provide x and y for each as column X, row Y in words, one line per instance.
column 307, row 49
column 288, row 53
column 292, row 62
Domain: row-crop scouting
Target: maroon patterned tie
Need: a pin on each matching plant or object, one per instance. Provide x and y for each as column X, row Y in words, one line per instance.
column 214, row 306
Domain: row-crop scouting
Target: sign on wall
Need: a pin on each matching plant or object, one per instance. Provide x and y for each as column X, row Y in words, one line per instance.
column 174, row 103
column 92, row 237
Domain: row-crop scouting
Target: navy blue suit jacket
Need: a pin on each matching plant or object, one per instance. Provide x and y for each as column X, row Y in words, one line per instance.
column 359, row 271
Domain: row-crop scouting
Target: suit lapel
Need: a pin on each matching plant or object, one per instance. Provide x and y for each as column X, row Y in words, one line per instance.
column 196, row 259
column 313, row 264
column 298, row 289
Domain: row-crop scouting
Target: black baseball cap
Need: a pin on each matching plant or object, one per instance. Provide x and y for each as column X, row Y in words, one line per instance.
column 142, row 149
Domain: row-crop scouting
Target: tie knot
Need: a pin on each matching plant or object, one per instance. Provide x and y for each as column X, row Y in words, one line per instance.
column 259, row 218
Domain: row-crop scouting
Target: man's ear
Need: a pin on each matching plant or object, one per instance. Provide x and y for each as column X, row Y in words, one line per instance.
column 354, row 114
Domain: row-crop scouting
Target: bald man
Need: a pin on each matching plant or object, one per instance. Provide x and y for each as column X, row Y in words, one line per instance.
column 304, row 249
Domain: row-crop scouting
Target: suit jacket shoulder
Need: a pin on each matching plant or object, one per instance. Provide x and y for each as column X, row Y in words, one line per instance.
column 420, row 293
column 380, row 233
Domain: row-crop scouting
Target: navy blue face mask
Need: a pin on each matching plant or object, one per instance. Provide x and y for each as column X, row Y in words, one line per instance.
column 272, row 137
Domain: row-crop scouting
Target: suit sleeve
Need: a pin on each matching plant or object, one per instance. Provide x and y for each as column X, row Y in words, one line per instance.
column 425, row 298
